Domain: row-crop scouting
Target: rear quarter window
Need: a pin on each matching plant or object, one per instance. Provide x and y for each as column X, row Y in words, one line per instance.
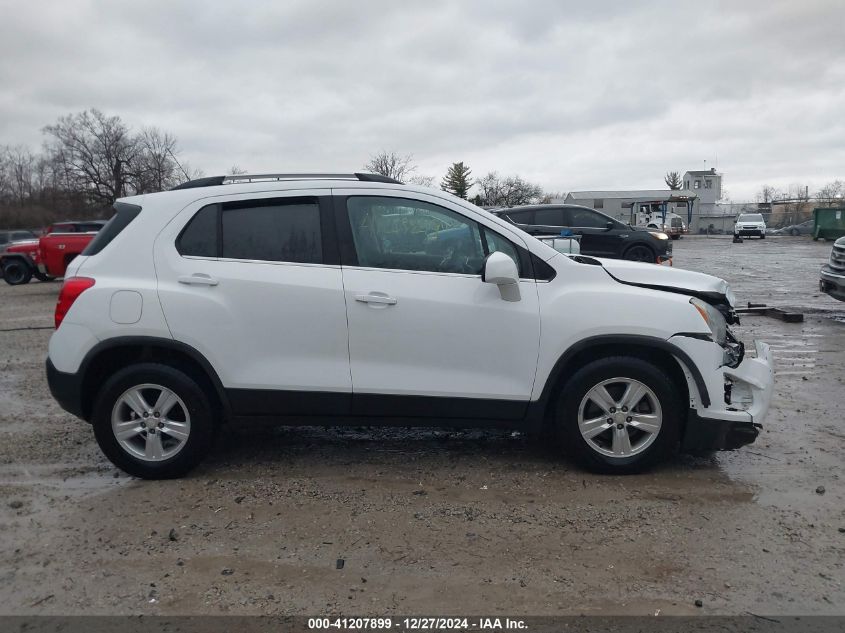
column 124, row 214
column 199, row 237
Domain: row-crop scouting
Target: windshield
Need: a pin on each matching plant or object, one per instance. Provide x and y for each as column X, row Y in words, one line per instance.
column 750, row 217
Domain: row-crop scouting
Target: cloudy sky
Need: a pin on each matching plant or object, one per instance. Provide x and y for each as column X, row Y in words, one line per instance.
column 571, row 95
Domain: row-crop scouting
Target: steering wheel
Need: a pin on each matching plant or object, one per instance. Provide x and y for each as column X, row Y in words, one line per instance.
column 453, row 262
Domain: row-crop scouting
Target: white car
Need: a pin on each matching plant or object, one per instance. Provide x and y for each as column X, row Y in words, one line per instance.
column 330, row 299
column 748, row 224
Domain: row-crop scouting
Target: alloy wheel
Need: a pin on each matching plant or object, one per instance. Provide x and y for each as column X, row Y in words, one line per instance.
column 150, row 422
column 620, row 417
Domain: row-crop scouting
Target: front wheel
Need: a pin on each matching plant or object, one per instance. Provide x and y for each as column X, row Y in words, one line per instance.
column 640, row 253
column 619, row 415
column 154, row 421
column 16, row 272
column 762, row 236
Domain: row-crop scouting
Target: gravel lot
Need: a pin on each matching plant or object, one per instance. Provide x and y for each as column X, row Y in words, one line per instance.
column 439, row 522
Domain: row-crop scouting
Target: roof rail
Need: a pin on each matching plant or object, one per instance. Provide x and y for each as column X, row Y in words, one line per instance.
column 213, row 181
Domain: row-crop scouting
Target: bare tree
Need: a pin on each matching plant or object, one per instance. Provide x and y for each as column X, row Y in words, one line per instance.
column 832, row 194
column 508, row 191
column 392, row 165
column 235, row 170
column 552, row 196
column 767, row 194
column 422, row 181
column 672, row 180
column 157, row 167
column 96, row 155
column 5, row 176
column 20, row 166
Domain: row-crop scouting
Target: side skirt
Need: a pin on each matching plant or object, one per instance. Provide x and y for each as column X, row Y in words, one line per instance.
column 332, row 408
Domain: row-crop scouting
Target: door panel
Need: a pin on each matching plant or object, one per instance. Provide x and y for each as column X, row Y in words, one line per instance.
column 595, row 239
column 434, row 335
column 265, row 325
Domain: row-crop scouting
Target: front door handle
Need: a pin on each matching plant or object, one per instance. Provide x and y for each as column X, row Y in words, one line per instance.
column 198, row 279
column 377, row 298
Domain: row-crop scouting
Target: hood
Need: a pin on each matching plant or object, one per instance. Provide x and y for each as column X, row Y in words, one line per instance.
column 706, row 287
column 20, row 246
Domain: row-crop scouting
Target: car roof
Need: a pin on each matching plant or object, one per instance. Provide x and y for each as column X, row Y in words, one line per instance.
column 78, row 222
column 186, row 195
column 525, row 207
column 179, row 198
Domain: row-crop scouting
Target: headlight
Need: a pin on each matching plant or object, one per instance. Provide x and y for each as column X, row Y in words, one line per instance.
column 713, row 318
column 658, row 235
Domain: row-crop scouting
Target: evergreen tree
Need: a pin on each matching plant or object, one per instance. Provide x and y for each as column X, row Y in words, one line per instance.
column 457, row 180
column 672, row 180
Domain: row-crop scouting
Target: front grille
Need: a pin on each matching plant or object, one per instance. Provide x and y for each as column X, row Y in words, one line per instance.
column 837, row 258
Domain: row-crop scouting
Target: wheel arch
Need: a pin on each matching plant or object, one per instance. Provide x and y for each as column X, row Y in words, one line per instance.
column 26, row 259
column 115, row 353
column 675, row 362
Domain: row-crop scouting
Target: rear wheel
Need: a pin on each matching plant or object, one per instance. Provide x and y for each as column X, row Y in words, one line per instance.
column 16, row 272
column 154, row 421
column 795, row 232
column 619, row 415
column 640, row 253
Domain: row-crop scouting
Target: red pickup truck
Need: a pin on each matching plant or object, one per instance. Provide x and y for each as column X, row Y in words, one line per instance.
column 47, row 257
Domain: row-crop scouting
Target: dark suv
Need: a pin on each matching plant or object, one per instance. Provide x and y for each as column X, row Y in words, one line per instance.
column 599, row 234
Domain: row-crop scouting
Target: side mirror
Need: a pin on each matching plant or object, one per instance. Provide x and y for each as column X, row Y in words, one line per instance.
column 608, row 226
column 501, row 270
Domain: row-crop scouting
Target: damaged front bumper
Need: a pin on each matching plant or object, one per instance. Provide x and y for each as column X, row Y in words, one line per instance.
column 739, row 397
column 832, row 282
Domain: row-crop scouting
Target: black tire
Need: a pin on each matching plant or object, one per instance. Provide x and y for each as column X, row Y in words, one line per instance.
column 762, row 236
column 641, row 253
column 16, row 272
column 42, row 277
column 203, row 420
column 795, row 232
column 675, row 237
column 574, row 392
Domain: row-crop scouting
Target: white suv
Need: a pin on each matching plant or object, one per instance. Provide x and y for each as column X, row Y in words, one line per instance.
column 748, row 224
column 329, row 299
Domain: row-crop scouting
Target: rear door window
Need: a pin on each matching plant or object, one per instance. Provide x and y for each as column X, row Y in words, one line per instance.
column 549, row 217
column 272, row 230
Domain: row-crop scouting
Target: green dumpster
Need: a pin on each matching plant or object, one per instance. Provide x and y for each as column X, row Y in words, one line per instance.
column 828, row 224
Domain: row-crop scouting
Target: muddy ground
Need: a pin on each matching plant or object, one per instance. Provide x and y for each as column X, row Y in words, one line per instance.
column 439, row 522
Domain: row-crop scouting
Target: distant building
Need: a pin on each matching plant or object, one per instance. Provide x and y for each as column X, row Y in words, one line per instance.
column 697, row 203
column 707, row 186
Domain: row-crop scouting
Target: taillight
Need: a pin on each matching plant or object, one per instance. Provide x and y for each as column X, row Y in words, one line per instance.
column 71, row 289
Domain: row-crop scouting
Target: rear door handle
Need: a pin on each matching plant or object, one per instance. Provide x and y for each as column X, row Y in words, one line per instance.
column 198, row 279
column 376, row 298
